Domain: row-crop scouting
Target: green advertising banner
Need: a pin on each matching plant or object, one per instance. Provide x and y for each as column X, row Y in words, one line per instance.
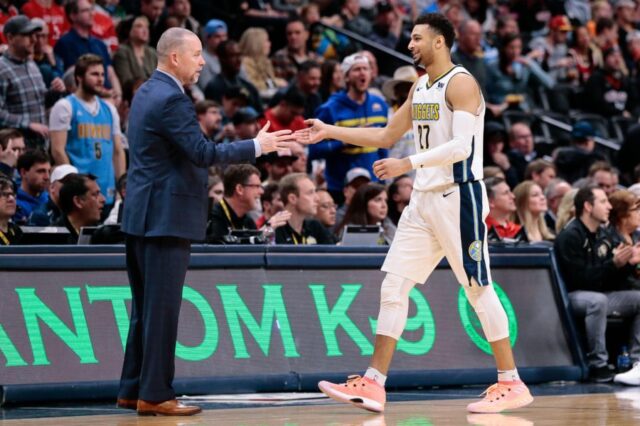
column 71, row 326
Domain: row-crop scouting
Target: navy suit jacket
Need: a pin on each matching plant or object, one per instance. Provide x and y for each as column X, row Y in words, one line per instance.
column 168, row 160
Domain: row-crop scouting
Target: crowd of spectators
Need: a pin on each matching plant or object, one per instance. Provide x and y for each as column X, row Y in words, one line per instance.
column 69, row 70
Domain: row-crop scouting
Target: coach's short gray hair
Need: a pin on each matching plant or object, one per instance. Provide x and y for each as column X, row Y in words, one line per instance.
column 171, row 40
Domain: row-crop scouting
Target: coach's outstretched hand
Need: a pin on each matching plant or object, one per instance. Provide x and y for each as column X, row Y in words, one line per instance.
column 280, row 140
column 316, row 132
column 391, row 167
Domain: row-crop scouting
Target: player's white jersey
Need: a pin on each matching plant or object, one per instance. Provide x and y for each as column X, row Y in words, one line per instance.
column 432, row 127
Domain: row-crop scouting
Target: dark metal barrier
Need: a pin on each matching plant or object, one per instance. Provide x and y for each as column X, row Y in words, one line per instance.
column 258, row 318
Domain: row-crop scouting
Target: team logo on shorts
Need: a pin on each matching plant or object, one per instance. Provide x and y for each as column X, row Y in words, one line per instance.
column 475, row 250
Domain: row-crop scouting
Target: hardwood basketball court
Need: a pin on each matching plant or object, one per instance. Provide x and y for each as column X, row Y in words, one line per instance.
column 554, row 405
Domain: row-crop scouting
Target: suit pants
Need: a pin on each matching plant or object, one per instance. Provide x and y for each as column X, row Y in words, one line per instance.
column 157, row 267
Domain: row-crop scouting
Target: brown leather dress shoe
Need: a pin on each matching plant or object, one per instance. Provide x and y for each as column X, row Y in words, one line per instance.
column 129, row 404
column 172, row 407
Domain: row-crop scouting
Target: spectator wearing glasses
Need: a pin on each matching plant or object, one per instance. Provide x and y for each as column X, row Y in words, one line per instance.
column 242, row 191
column 10, row 233
column 326, row 213
column 624, row 226
column 79, row 41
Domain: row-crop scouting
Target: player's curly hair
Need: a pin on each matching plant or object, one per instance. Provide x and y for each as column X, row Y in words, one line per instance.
column 440, row 25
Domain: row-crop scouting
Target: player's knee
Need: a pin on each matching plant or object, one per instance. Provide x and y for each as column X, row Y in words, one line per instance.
column 394, row 291
column 492, row 315
column 483, row 298
column 473, row 294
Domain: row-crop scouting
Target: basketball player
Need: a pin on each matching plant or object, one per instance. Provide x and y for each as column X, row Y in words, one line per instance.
column 445, row 216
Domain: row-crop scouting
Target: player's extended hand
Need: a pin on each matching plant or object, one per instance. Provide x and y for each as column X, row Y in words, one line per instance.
column 391, row 167
column 280, row 140
column 316, row 132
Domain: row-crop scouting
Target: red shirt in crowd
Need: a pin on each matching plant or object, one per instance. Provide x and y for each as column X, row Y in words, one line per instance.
column 296, row 124
column 54, row 17
column 104, row 29
column 5, row 14
column 509, row 230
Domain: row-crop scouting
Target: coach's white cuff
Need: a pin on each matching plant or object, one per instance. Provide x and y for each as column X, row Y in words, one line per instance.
column 256, row 144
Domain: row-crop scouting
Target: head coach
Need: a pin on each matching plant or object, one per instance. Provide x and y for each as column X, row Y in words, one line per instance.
column 166, row 209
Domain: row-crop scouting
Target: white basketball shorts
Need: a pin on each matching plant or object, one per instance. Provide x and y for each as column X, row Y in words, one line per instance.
column 447, row 222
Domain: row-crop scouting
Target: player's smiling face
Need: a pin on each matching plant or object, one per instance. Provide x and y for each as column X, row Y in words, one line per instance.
column 422, row 45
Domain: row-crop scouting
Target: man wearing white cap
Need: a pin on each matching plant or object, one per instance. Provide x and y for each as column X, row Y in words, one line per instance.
column 353, row 107
column 49, row 213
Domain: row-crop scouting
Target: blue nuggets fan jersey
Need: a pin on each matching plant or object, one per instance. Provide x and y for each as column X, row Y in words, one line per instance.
column 433, row 126
column 90, row 144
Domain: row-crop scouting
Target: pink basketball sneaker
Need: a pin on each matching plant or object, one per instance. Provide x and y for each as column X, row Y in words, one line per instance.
column 359, row 391
column 502, row 396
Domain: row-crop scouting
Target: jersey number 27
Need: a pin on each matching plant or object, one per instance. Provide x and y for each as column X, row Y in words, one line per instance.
column 423, row 136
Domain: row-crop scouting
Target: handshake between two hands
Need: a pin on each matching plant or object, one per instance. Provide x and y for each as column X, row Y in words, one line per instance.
column 282, row 140
column 316, row 131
